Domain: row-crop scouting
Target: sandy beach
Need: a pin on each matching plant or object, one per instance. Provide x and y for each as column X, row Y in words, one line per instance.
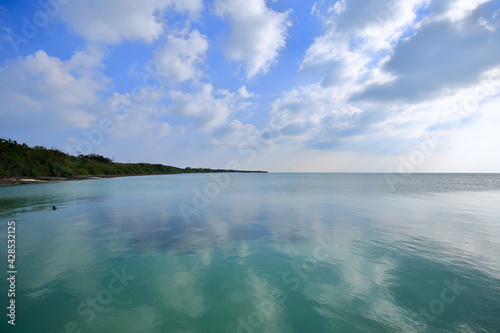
column 10, row 181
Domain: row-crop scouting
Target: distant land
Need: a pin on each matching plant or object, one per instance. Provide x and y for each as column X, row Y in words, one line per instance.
column 44, row 164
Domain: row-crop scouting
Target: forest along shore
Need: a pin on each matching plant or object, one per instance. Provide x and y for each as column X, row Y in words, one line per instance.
column 21, row 164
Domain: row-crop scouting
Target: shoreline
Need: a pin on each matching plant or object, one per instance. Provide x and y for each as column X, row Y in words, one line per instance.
column 13, row 181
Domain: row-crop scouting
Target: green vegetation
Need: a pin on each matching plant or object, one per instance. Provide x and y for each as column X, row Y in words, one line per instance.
column 20, row 160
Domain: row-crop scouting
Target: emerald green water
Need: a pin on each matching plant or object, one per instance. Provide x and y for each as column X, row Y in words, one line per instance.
column 255, row 253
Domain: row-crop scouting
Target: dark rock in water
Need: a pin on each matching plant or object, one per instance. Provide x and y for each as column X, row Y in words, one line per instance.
column 54, row 208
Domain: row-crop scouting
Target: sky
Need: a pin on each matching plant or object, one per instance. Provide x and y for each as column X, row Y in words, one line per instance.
column 278, row 85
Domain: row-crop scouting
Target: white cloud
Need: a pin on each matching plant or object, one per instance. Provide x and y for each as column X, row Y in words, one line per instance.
column 440, row 57
column 358, row 34
column 193, row 7
column 234, row 133
column 179, row 59
column 43, row 91
column 387, row 72
column 206, row 107
column 112, row 21
column 137, row 119
column 258, row 33
column 202, row 106
column 200, row 117
column 244, row 93
column 367, row 25
column 460, row 9
column 315, row 117
column 353, row 59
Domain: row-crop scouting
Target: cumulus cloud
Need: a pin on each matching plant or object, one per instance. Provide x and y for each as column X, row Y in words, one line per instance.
column 369, row 24
column 453, row 10
column 380, row 77
column 257, row 36
column 201, row 117
column 192, row 7
column 134, row 118
column 358, row 36
column 313, row 117
column 202, row 106
column 368, row 17
column 319, row 118
column 115, row 20
column 207, row 108
column 179, row 58
column 42, row 91
column 390, row 75
column 234, row 133
column 442, row 55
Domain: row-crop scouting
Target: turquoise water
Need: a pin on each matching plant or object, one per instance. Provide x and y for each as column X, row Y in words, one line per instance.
column 255, row 253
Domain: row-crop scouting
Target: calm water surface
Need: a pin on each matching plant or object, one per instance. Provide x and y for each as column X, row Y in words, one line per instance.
column 255, row 253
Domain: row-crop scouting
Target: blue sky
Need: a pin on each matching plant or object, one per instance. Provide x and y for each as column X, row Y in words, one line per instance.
column 280, row 85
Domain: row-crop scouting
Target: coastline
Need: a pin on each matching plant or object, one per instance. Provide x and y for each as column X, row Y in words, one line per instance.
column 13, row 181
column 21, row 165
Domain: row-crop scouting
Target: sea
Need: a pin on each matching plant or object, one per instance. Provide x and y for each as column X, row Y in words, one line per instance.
column 245, row 253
